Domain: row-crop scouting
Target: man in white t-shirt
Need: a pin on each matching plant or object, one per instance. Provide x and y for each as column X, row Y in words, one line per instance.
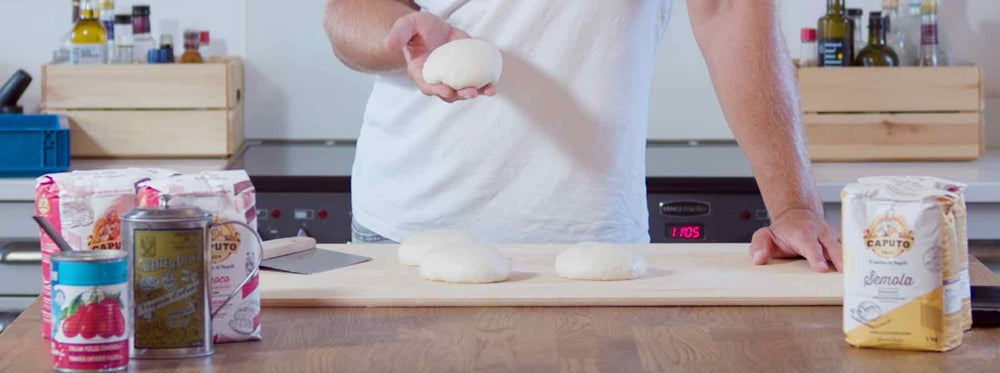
column 557, row 153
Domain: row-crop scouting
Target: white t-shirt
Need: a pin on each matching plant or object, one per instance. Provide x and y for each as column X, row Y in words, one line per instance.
column 557, row 156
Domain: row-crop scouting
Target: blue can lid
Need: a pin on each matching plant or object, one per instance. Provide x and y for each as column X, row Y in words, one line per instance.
column 165, row 55
column 153, row 56
column 90, row 272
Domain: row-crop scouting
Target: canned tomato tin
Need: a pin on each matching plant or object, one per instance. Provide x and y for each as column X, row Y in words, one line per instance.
column 169, row 267
column 90, row 311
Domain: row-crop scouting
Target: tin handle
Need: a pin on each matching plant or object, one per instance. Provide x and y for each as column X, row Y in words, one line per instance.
column 256, row 267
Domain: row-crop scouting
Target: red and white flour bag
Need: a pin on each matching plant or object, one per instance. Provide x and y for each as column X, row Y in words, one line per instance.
column 231, row 197
column 84, row 207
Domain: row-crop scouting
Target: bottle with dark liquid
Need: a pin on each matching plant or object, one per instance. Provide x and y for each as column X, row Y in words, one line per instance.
column 836, row 36
column 877, row 52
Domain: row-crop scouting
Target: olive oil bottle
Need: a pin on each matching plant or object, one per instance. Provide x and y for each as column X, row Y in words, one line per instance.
column 877, row 52
column 89, row 40
column 836, row 36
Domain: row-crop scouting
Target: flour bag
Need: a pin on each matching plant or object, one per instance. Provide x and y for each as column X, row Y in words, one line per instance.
column 231, row 197
column 961, row 227
column 902, row 282
column 84, row 207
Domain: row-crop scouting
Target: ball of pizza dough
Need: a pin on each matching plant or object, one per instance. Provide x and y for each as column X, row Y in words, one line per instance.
column 412, row 250
column 479, row 264
column 464, row 63
column 600, row 262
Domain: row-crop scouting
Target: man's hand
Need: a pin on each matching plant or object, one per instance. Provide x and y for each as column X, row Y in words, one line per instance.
column 754, row 78
column 798, row 233
column 417, row 35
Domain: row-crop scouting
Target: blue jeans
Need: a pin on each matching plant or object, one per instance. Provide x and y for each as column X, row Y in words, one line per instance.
column 362, row 235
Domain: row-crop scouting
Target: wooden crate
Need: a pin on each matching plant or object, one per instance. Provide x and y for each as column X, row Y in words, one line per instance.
column 149, row 111
column 893, row 114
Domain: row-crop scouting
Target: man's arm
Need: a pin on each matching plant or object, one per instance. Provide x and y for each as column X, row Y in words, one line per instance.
column 356, row 29
column 754, row 79
column 387, row 36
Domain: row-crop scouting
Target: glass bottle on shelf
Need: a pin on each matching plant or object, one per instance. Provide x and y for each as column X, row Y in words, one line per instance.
column 205, row 41
column 167, row 45
column 89, row 40
column 877, row 52
column 856, row 15
column 107, row 17
column 123, row 39
column 192, row 40
column 895, row 33
column 142, row 39
column 808, row 56
column 931, row 52
column 910, row 26
column 835, row 37
column 61, row 53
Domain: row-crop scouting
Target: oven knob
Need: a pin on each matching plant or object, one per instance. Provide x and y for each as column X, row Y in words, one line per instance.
column 321, row 213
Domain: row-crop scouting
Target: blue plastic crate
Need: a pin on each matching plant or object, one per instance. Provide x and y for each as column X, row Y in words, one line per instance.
column 33, row 145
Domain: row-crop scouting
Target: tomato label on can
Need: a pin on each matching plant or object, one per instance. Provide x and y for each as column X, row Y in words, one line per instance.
column 169, row 288
column 90, row 313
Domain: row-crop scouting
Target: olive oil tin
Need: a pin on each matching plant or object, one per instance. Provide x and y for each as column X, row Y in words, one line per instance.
column 170, row 260
column 168, row 271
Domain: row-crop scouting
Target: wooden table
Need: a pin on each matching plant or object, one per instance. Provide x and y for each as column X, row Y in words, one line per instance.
column 536, row 339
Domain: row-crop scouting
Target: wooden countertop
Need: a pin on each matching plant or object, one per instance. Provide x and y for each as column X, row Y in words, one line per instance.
column 528, row 339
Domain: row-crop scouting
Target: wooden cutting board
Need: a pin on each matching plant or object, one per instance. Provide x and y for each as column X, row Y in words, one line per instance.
column 678, row 275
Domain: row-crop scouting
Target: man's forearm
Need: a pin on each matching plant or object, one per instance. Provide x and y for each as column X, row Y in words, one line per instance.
column 754, row 79
column 356, row 29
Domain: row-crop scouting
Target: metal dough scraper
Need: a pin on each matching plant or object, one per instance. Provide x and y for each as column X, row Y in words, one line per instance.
column 300, row 255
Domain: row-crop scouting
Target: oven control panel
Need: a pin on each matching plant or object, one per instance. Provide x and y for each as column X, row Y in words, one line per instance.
column 323, row 216
column 721, row 217
column 674, row 217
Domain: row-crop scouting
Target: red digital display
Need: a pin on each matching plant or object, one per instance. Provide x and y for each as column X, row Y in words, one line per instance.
column 692, row 232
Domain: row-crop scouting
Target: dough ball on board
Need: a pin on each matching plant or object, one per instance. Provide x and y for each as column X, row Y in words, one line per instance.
column 479, row 264
column 465, row 63
column 413, row 249
column 600, row 262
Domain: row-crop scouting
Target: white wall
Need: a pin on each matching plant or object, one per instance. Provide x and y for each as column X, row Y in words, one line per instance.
column 32, row 29
column 296, row 87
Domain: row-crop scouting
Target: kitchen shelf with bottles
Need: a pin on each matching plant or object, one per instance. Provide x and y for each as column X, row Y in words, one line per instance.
column 149, row 110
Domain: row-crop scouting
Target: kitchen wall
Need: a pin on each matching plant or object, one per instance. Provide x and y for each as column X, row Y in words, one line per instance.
column 297, row 90
column 32, row 29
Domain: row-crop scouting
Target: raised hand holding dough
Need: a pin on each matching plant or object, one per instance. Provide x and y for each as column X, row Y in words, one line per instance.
column 413, row 249
column 477, row 264
column 600, row 262
column 464, row 63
